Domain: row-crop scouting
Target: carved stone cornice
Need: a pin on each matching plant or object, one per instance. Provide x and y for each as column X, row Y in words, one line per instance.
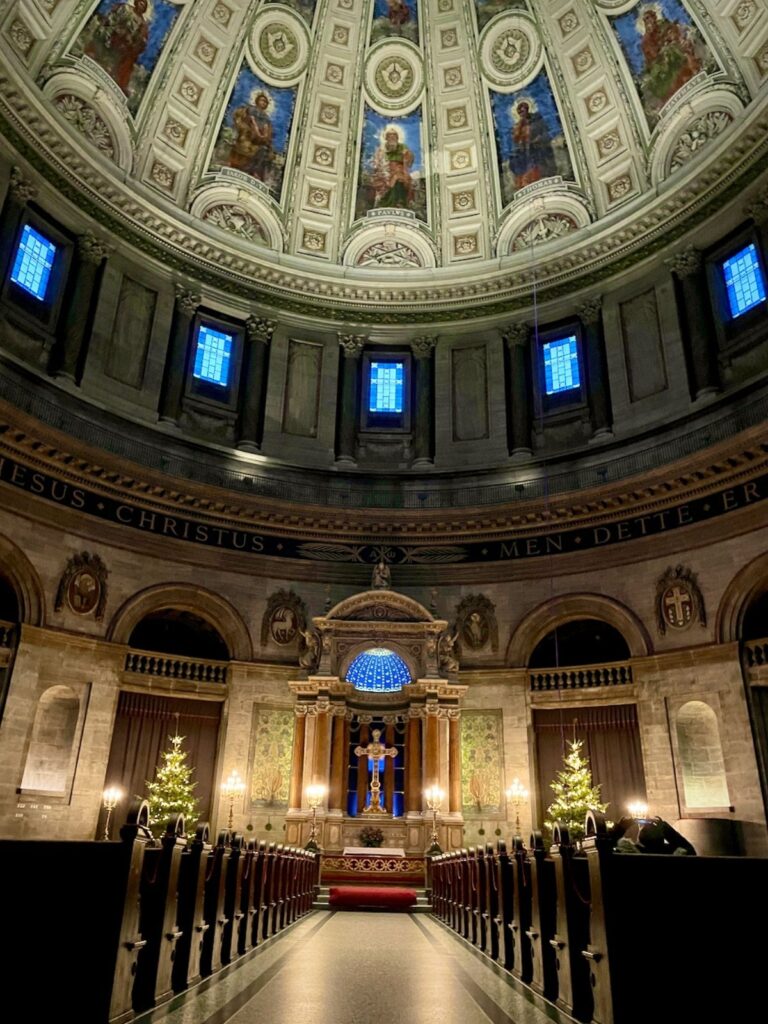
column 590, row 312
column 516, row 335
column 686, row 263
column 423, row 347
column 93, row 250
column 187, row 301
column 352, row 345
column 260, row 329
column 21, row 188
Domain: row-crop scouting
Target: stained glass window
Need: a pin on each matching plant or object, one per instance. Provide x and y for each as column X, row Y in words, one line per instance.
column 213, row 355
column 33, row 262
column 561, row 365
column 744, row 281
column 385, row 393
column 378, row 669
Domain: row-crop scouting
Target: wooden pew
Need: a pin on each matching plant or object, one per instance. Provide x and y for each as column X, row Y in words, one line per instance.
column 471, row 895
column 522, row 967
column 278, row 890
column 543, row 919
column 678, row 937
column 480, row 905
column 233, row 913
column 491, row 903
column 213, row 905
column 505, row 919
column 266, row 891
column 574, row 991
column 465, row 908
column 191, row 915
column 70, row 914
column 245, row 927
column 158, row 917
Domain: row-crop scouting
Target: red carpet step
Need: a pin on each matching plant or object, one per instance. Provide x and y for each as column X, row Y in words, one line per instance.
column 358, row 897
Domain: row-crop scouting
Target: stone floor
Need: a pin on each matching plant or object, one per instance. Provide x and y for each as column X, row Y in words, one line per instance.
column 360, row 968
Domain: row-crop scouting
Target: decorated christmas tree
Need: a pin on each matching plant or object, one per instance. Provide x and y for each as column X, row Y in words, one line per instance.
column 574, row 794
column 172, row 791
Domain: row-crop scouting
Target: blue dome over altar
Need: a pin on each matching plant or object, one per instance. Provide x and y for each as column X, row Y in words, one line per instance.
column 378, row 669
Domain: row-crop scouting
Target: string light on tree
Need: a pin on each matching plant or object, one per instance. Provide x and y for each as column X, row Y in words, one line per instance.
column 172, row 792
column 574, row 793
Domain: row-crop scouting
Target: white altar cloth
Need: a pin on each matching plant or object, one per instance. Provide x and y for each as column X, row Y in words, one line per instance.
column 373, row 851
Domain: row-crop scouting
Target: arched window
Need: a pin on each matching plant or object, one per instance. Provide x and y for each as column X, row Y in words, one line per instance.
column 580, row 642
column 173, row 631
column 378, row 669
column 701, row 757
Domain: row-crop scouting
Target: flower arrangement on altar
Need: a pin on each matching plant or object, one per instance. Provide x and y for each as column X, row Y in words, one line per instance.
column 370, row 836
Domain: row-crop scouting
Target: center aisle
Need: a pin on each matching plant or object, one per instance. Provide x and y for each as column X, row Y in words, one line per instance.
column 362, row 968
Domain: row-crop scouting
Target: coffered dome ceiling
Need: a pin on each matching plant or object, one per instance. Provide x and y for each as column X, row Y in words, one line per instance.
column 391, row 158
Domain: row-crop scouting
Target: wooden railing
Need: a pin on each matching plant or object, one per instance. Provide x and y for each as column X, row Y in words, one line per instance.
column 580, row 677
column 170, row 666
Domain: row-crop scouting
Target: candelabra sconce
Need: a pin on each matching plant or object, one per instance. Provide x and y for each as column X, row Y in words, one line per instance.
column 434, row 797
column 517, row 794
column 315, row 796
column 231, row 789
column 111, row 797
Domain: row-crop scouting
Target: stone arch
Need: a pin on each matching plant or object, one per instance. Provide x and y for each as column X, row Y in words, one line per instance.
column 745, row 586
column 23, row 577
column 186, row 597
column 568, row 607
column 385, row 605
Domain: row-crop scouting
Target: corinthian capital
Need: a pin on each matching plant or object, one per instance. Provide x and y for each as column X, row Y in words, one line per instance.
column 260, row 329
column 352, row 344
column 92, row 249
column 187, row 301
column 516, row 334
column 591, row 311
column 686, row 262
column 21, row 188
column 423, row 347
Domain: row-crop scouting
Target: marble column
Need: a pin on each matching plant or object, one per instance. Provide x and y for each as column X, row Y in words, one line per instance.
column 308, row 767
column 187, row 303
column 67, row 353
column 20, row 192
column 339, row 744
column 352, row 346
column 321, row 768
column 518, row 339
column 259, row 333
column 591, row 316
column 432, row 747
column 424, row 412
column 454, row 769
column 696, row 321
column 297, row 765
column 413, row 789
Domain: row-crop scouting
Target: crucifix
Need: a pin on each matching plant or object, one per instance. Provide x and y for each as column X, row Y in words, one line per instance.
column 375, row 751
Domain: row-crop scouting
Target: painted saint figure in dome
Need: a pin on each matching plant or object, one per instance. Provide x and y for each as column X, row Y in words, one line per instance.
column 532, row 156
column 390, row 166
column 670, row 54
column 251, row 150
column 117, row 40
column 398, row 13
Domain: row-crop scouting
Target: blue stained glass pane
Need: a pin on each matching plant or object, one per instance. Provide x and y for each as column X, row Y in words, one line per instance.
column 213, row 355
column 561, row 365
column 378, row 669
column 385, row 393
column 33, row 262
column 744, row 280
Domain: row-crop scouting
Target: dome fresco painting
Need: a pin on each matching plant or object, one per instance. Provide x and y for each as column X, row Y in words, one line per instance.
column 378, row 670
column 392, row 136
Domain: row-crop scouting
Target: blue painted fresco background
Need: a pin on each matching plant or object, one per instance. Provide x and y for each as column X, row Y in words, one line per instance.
column 553, row 154
column 383, row 25
column 681, row 53
column 159, row 16
column 374, row 125
column 280, row 114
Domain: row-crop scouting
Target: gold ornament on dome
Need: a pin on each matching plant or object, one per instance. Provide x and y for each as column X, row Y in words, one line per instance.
column 510, row 51
column 394, row 77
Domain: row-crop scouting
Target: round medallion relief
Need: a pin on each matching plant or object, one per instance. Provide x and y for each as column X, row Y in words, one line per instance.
column 83, row 592
column 510, row 52
column 394, row 76
column 278, row 46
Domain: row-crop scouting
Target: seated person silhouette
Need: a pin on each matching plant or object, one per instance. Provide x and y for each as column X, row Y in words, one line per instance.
column 655, row 836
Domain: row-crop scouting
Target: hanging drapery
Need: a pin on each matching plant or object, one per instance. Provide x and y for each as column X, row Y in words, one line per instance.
column 143, row 726
column 611, row 742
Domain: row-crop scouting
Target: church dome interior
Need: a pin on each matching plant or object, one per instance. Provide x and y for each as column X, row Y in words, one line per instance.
column 383, row 402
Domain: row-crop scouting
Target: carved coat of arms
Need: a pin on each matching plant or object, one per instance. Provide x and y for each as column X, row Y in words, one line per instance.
column 679, row 601
column 284, row 617
column 476, row 623
column 83, row 586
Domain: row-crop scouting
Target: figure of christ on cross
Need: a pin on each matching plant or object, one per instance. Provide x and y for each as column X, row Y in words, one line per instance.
column 375, row 751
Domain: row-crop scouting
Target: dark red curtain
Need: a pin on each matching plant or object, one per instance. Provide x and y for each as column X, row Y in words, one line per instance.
column 143, row 726
column 611, row 742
